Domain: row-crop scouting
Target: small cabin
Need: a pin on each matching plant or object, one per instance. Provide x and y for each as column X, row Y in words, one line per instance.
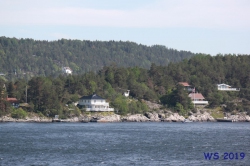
column 13, row 101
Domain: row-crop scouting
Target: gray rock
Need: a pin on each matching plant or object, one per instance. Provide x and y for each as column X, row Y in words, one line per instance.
column 135, row 118
column 199, row 117
column 175, row 117
column 110, row 118
column 154, row 117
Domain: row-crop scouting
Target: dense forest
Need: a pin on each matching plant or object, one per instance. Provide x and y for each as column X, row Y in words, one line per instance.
column 25, row 58
column 49, row 95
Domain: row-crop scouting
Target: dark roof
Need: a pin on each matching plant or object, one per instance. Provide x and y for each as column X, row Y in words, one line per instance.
column 93, row 97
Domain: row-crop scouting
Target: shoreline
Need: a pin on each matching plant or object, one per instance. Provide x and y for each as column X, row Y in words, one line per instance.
column 120, row 122
column 147, row 117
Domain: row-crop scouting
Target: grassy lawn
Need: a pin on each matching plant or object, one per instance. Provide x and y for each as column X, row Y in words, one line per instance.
column 217, row 113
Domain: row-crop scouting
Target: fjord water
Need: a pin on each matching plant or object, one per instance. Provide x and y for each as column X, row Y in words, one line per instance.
column 122, row 143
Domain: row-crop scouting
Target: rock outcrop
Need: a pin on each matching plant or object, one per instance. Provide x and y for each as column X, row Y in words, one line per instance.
column 175, row 117
column 135, row 118
column 154, row 117
column 153, row 106
column 240, row 117
column 28, row 119
column 198, row 117
column 110, row 118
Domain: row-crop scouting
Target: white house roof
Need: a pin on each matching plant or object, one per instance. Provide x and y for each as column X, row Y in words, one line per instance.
column 92, row 97
column 67, row 68
column 223, row 85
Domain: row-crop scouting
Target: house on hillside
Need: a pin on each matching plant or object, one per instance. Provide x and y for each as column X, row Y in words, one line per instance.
column 126, row 94
column 225, row 87
column 67, row 70
column 186, row 86
column 198, row 99
column 13, row 101
column 94, row 103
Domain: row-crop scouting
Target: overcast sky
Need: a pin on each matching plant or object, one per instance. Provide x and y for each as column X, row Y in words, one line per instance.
column 199, row 26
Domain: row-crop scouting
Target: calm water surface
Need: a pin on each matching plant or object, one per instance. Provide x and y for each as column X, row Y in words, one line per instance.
column 108, row 144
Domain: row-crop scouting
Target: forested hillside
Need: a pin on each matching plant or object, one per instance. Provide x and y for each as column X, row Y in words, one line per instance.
column 24, row 58
column 49, row 95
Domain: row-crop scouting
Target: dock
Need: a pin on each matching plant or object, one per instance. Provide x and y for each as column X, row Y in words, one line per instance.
column 225, row 120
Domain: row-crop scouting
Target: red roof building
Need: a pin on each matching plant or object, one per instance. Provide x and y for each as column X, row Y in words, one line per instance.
column 198, row 99
column 196, row 96
column 13, row 101
column 184, row 84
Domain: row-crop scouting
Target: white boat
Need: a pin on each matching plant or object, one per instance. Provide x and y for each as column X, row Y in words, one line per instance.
column 186, row 121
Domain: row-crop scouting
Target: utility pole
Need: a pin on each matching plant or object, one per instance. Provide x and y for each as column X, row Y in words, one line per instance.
column 26, row 93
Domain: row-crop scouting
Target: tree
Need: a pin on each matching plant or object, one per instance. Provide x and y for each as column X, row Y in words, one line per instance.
column 177, row 98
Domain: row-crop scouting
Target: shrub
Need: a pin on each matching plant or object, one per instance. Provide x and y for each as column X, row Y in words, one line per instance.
column 76, row 112
column 18, row 113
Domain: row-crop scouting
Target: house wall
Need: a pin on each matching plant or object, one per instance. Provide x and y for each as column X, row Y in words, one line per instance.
column 200, row 102
column 67, row 70
column 227, row 88
column 223, row 86
column 93, row 102
column 95, row 105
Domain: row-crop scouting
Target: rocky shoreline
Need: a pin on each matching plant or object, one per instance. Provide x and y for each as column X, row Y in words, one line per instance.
column 147, row 117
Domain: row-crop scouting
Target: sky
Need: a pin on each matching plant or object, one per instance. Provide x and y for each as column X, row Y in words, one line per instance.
column 200, row 26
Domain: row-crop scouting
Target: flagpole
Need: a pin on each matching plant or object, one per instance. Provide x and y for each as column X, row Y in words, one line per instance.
column 194, row 97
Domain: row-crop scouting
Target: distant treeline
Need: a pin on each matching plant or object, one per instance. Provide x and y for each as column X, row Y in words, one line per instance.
column 49, row 95
column 24, row 58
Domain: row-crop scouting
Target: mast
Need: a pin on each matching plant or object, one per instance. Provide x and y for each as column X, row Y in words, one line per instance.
column 26, row 93
column 194, row 96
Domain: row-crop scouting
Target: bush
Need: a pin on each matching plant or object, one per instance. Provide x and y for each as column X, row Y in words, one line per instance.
column 75, row 112
column 40, row 115
column 18, row 113
column 194, row 110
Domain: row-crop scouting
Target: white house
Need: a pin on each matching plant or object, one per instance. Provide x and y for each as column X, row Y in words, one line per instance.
column 94, row 103
column 198, row 99
column 225, row 87
column 67, row 70
column 126, row 94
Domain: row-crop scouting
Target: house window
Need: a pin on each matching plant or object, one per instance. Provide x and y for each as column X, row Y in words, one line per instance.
column 94, row 100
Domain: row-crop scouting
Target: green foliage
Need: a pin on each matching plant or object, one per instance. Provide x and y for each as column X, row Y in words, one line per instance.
column 18, row 113
column 177, row 98
column 179, row 107
column 49, row 95
column 137, row 107
column 74, row 98
column 25, row 58
column 217, row 113
column 120, row 103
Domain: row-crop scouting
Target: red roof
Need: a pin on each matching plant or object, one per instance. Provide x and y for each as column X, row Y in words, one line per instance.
column 196, row 96
column 13, row 100
column 184, row 83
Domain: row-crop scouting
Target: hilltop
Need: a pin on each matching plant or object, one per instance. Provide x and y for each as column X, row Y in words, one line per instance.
column 25, row 58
